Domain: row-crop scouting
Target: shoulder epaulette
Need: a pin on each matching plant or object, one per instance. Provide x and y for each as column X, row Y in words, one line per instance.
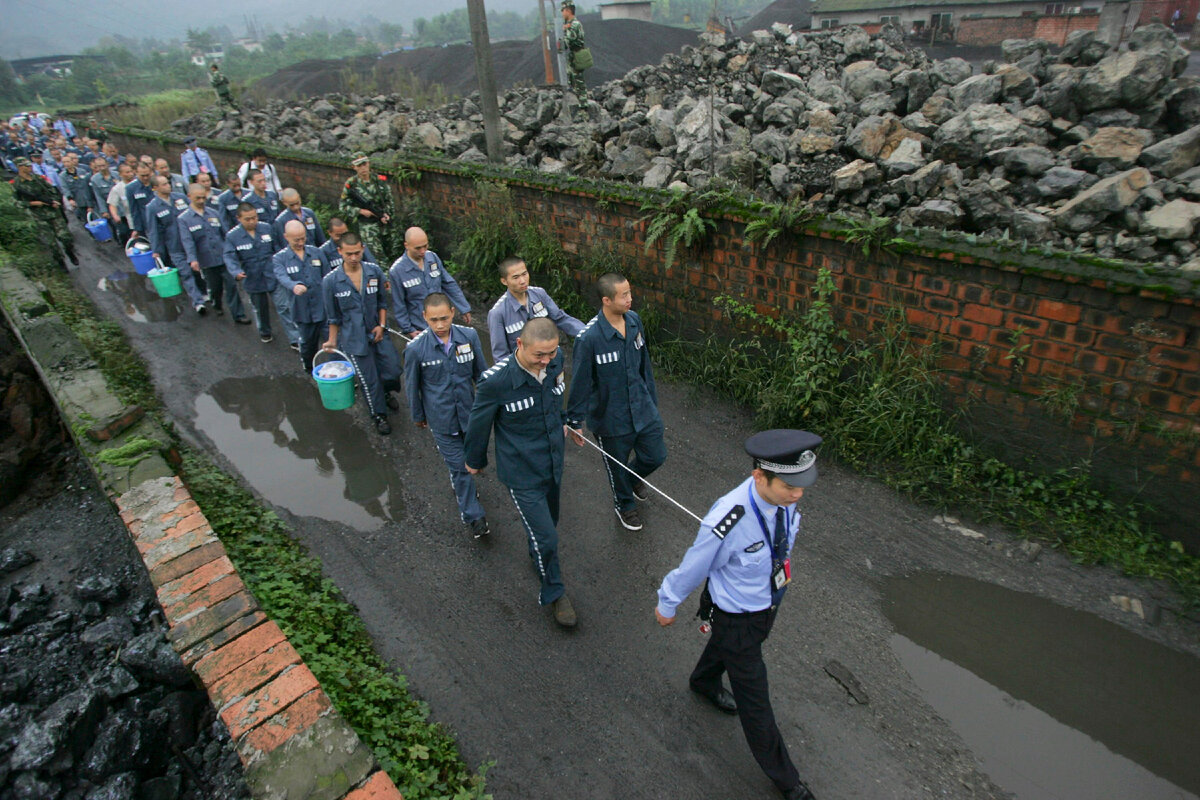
column 461, row 327
column 728, row 521
column 499, row 365
column 588, row 327
column 412, row 342
column 499, row 300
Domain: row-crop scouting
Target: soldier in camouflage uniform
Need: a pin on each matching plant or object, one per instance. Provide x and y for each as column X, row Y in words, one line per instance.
column 45, row 202
column 572, row 40
column 221, row 85
column 374, row 223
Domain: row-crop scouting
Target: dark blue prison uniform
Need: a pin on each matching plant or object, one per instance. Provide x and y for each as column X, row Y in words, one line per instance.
column 528, row 419
column 203, row 239
column 439, row 378
column 252, row 254
column 356, row 313
column 335, row 258
column 162, row 222
column 508, row 317
column 138, row 195
column 268, row 207
column 308, row 309
column 315, row 235
column 612, row 388
column 411, row 284
column 227, row 203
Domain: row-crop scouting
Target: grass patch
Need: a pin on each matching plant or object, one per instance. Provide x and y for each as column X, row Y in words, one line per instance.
column 157, row 111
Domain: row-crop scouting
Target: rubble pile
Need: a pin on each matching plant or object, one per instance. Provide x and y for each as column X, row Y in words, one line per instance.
column 1089, row 148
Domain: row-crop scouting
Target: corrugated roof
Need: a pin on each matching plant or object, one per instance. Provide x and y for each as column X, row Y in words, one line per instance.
column 841, row 6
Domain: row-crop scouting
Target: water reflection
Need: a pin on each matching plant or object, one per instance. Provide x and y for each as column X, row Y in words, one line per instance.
column 139, row 300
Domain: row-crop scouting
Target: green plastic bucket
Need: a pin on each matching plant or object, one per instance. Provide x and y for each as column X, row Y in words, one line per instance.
column 337, row 394
column 167, row 283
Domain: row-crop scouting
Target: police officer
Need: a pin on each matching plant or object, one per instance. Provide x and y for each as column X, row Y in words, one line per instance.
column 519, row 304
column 356, row 309
column 293, row 210
column 249, row 249
column 265, row 201
column 165, row 241
column 414, row 275
column 299, row 268
column 612, row 387
column 338, row 229
column 139, row 194
column 195, row 160
column 367, row 200
column 743, row 549
column 227, row 202
column 441, row 366
column 521, row 397
column 45, row 203
column 203, row 239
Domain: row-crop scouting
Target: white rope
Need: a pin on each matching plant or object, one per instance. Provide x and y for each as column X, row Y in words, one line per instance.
column 625, row 467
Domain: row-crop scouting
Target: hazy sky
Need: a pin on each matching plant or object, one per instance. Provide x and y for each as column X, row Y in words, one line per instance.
column 45, row 27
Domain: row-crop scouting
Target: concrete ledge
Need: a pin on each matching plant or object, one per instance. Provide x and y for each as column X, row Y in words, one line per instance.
column 293, row 744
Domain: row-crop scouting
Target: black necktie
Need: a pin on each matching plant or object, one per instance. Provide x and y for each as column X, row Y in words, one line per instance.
column 780, row 534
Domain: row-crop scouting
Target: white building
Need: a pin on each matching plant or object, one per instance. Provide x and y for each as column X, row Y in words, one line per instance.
column 627, row 9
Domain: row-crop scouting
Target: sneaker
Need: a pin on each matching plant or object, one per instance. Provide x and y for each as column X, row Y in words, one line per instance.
column 479, row 527
column 201, row 309
column 382, row 425
column 266, row 338
column 392, row 402
column 242, row 320
column 640, row 491
column 564, row 612
column 295, row 346
column 630, row 519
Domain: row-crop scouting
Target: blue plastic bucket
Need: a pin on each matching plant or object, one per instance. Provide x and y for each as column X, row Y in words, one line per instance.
column 337, row 394
column 143, row 262
column 99, row 228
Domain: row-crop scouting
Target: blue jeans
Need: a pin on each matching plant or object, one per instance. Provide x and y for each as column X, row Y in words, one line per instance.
column 450, row 445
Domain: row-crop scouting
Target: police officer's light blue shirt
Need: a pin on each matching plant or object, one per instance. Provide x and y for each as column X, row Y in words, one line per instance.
column 354, row 311
column 612, row 382
column 508, row 316
column 315, row 235
column 202, row 236
column 267, row 207
column 528, row 419
column 308, row 269
column 251, row 253
column 163, row 232
column 439, row 378
column 733, row 552
column 335, row 258
column 411, row 284
column 192, row 160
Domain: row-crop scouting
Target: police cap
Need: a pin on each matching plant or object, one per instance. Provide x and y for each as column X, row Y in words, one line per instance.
column 787, row 453
column 22, row 162
column 190, row 140
column 358, row 157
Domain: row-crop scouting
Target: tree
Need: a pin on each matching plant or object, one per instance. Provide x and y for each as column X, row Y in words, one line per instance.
column 200, row 41
column 10, row 88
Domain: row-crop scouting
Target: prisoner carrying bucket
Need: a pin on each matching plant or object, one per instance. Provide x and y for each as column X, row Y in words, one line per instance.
column 336, row 393
column 166, row 281
column 138, row 250
column 98, row 227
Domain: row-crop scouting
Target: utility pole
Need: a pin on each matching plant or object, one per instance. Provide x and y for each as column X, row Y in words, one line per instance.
column 562, row 63
column 546, row 44
column 487, row 79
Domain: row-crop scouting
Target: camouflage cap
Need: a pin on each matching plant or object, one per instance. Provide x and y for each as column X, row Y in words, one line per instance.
column 567, row 4
column 22, row 162
column 358, row 157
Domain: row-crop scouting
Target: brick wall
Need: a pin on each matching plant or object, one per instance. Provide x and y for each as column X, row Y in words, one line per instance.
column 1010, row 337
column 993, row 30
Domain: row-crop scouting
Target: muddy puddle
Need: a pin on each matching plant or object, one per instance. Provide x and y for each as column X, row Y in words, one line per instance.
column 1056, row 703
column 298, row 455
column 139, row 301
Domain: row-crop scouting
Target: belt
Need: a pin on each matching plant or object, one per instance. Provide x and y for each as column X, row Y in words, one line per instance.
column 744, row 614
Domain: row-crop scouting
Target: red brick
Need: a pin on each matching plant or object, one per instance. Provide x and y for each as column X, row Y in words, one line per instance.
column 1054, row 351
column 984, row 314
column 1059, row 312
column 175, row 546
column 188, row 562
column 292, row 720
column 195, row 580
column 186, row 634
column 204, row 598
column 254, row 673
column 922, row 319
column 189, row 523
column 215, row 665
column 183, row 510
column 377, row 787
column 252, row 710
column 224, row 636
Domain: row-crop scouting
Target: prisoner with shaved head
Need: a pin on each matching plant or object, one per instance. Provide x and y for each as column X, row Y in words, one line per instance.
column 299, row 268
column 203, row 237
column 337, row 229
column 162, row 216
column 293, row 210
column 416, row 274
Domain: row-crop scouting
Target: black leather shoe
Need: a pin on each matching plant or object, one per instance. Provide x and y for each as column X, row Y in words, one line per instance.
column 382, row 425
column 798, row 792
column 391, row 401
column 722, row 699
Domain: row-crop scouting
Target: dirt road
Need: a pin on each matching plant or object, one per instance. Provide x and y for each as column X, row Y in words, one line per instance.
column 604, row 711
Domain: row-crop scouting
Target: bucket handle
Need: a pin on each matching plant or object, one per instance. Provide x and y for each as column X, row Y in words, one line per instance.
column 322, row 351
column 92, row 216
column 133, row 239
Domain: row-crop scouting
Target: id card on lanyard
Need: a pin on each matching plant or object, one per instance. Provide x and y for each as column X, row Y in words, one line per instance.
column 781, row 565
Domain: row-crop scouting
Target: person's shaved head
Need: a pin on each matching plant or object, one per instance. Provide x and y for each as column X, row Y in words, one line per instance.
column 540, row 329
column 289, row 195
column 416, row 244
column 537, row 345
column 295, row 233
column 197, row 193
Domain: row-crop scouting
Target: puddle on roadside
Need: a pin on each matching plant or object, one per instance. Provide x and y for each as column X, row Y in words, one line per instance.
column 297, row 454
column 1056, row 703
column 139, row 301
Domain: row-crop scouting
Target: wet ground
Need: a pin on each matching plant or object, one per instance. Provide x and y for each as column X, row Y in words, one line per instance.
column 985, row 673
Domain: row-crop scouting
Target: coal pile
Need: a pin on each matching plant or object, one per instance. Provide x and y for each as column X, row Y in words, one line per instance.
column 1088, row 149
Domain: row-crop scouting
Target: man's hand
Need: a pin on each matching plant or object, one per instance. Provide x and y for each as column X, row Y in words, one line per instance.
column 422, row 424
column 377, row 334
column 240, row 276
column 413, row 334
column 664, row 621
column 575, row 435
column 329, row 345
column 472, row 470
column 36, row 203
column 299, row 289
column 467, row 317
column 362, row 212
column 385, row 219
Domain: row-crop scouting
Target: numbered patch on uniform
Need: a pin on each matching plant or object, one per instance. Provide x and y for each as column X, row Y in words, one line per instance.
column 608, row 358
column 266, row 237
column 639, row 342
column 316, row 262
column 560, row 383
column 539, row 310
column 727, row 523
column 519, row 405
column 433, row 273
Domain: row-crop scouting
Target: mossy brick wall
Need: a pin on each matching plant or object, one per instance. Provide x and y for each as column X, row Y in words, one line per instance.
column 1011, row 338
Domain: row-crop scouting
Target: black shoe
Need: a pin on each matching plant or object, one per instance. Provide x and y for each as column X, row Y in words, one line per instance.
column 722, row 700
column 242, row 320
column 391, row 400
column 382, row 425
column 564, row 612
column 640, row 491
column 631, row 519
column 201, row 309
column 295, row 346
column 266, row 338
column 479, row 527
column 798, row 792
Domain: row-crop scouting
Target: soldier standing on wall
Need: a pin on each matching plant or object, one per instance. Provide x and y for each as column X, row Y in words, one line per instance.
column 220, row 85
column 579, row 57
column 367, row 199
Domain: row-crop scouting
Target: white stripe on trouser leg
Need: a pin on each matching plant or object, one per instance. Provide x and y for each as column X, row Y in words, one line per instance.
column 362, row 380
column 450, row 472
column 533, row 540
column 612, row 482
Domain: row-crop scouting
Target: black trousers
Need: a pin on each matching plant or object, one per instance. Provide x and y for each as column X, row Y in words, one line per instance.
column 735, row 647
